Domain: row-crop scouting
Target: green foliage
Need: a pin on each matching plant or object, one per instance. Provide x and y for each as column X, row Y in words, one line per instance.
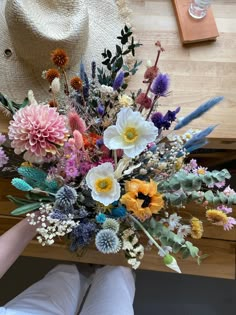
column 12, row 106
column 169, row 238
column 26, row 208
column 115, row 62
column 185, row 187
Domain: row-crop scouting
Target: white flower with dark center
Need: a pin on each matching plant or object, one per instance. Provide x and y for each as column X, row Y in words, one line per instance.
column 104, row 186
column 184, row 230
column 131, row 133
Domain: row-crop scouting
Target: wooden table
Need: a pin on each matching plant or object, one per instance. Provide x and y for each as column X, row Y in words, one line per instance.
column 198, row 72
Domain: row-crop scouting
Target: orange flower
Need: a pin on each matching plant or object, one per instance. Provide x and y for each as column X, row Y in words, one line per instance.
column 53, row 103
column 142, row 198
column 51, row 74
column 59, row 57
column 76, row 83
column 90, row 139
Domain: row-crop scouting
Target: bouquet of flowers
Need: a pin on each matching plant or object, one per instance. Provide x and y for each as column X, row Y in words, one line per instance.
column 105, row 166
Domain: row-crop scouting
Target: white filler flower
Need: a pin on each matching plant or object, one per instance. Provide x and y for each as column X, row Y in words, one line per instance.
column 131, row 133
column 105, row 187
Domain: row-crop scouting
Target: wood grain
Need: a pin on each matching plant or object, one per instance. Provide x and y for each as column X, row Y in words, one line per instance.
column 220, row 263
column 199, row 71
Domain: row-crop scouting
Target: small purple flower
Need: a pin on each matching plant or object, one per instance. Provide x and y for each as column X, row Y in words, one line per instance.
column 71, row 169
column 230, row 224
column 160, row 85
column 157, row 119
column 220, row 184
column 82, row 234
column 225, row 209
column 100, row 142
column 2, row 139
column 101, row 109
column 3, row 158
column 118, row 81
column 171, row 115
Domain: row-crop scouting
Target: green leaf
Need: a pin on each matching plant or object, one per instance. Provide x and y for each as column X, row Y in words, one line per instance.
column 193, row 250
column 201, row 258
column 26, row 208
column 209, row 196
column 176, row 248
column 185, row 252
column 18, row 201
column 109, row 54
column 118, row 50
column 25, row 103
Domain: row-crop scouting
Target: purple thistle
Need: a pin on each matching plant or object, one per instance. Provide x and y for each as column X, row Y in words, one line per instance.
column 160, row 85
column 171, row 115
column 118, row 80
column 164, row 122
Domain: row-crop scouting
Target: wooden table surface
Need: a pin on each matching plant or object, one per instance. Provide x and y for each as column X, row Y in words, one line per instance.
column 198, row 72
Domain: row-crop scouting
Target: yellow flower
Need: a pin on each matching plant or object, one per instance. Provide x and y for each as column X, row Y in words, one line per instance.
column 216, row 217
column 196, row 228
column 142, row 198
column 125, row 100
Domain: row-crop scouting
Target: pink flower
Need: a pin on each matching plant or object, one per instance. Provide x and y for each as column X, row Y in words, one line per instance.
column 76, row 122
column 37, row 130
column 2, row 139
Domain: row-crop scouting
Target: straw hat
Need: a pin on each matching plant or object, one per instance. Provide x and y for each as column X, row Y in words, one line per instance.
column 30, row 30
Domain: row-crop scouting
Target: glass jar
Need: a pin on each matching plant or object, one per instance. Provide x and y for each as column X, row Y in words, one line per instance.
column 198, row 8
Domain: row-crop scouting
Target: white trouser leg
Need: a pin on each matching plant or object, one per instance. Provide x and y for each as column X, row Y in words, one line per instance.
column 112, row 292
column 58, row 293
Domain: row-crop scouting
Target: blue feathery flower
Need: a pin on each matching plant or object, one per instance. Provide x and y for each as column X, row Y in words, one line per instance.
column 107, row 242
column 118, row 212
column 160, row 85
column 66, row 196
column 100, row 218
column 82, row 234
column 118, row 80
column 21, row 184
column 198, row 139
column 202, row 109
column 93, row 68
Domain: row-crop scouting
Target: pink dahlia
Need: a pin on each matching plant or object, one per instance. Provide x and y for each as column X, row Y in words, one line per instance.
column 37, row 130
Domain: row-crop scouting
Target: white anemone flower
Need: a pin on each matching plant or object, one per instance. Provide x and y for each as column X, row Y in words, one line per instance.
column 102, row 182
column 131, row 133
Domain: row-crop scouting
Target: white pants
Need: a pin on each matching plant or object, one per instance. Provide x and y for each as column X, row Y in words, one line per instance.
column 62, row 290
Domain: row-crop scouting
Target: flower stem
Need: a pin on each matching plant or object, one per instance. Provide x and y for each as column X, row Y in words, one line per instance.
column 66, row 82
column 153, row 103
column 147, row 234
column 115, row 158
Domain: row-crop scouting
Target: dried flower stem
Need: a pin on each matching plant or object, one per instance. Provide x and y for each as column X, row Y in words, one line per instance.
column 153, row 103
column 147, row 234
column 66, row 82
column 115, row 158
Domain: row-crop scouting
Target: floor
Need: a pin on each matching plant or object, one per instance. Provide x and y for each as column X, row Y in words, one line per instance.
column 156, row 292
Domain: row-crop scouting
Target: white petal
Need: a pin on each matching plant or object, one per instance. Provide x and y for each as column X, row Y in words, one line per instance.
column 112, row 139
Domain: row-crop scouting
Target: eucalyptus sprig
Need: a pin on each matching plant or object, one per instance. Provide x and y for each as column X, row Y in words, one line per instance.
column 115, row 62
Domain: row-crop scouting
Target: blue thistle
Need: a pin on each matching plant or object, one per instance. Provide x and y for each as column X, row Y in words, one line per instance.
column 107, row 242
column 202, row 109
column 160, row 85
column 100, row 218
column 82, row 234
column 66, row 196
column 21, row 184
column 118, row 80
